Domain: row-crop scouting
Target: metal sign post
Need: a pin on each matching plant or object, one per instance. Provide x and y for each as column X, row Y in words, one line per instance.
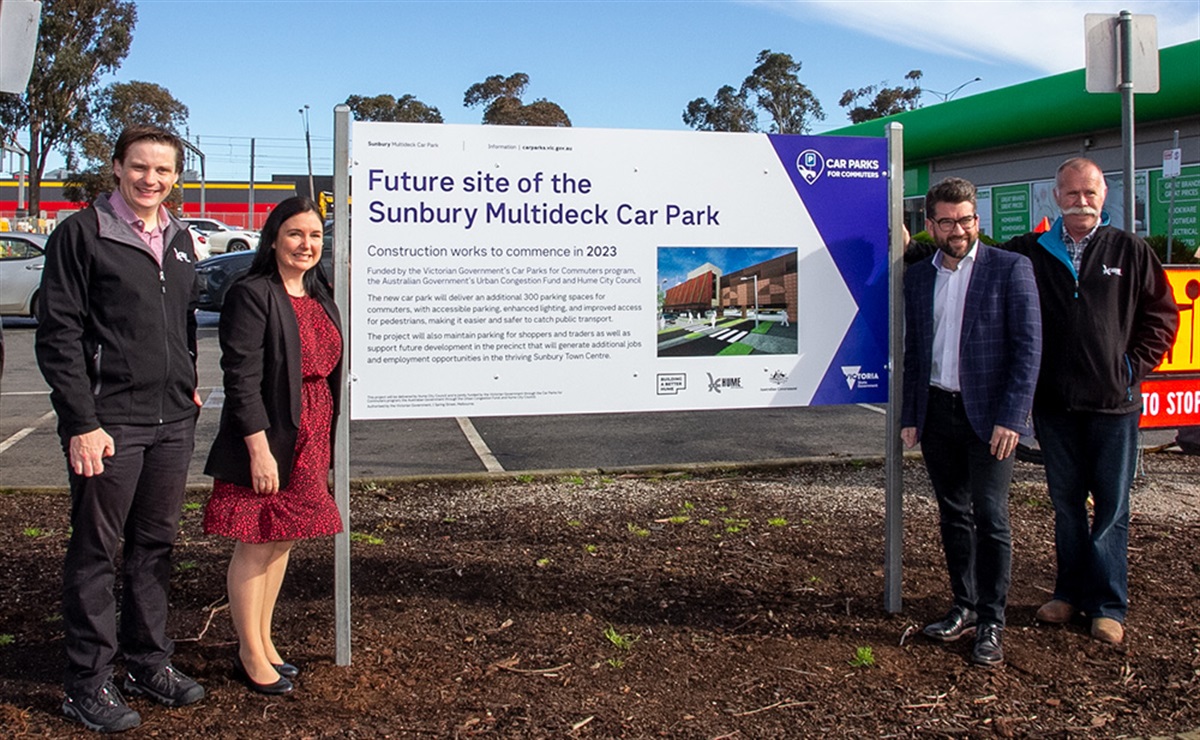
column 1122, row 56
column 894, row 453
column 341, row 442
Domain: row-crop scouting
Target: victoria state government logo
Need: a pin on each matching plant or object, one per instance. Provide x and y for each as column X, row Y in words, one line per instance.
column 810, row 164
column 856, row 377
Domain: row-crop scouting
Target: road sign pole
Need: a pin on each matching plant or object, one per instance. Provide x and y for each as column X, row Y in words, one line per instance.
column 1125, row 39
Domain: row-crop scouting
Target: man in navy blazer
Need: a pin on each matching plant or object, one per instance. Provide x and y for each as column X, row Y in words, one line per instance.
column 972, row 348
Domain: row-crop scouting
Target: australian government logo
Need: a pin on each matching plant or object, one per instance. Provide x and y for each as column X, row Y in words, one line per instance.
column 857, row 378
column 716, row 385
column 778, row 382
column 811, row 165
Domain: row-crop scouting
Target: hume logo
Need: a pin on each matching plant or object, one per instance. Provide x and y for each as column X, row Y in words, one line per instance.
column 716, row 384
column 810, row 164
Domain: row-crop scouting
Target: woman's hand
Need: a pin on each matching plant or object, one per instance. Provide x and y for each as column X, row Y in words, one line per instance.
column 264, row 471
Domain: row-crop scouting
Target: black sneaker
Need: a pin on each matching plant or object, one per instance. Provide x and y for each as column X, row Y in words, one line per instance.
column 102, row 711
column 167, row 686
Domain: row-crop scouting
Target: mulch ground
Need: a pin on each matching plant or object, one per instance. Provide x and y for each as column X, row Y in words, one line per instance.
column 745, row 605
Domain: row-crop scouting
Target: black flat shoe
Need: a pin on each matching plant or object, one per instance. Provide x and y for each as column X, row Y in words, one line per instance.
column 282, row 686
column 958, row 622
column 287, row 670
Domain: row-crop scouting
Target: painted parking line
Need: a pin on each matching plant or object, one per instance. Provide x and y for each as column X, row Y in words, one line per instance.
column 490, row 463
column 869, row 407
column 22, row 434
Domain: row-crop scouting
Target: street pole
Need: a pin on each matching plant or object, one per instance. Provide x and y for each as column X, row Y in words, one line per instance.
column 1171, row 208
column 312, row 191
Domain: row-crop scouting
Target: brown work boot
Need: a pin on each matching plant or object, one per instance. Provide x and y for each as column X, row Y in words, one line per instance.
column 1055, row 611
column 1108, row 630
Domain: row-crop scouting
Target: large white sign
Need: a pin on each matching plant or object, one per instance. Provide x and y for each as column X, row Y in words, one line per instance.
column 520, row 270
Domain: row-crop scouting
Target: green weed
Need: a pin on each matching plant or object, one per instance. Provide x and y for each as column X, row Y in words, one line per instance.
column 615, row 663
column 574, row 523
column 192, row 506
column 636, row 530
column 575, row 480
column 620, row 640
column 183, row 565
column 525, row 478
column 33, row 532
column 591, row 549
column 864, row 657
column 7, row 639
column 365, row 538
column 679, row 519
column 542, row 562
column 777, row 521
column 733, row 525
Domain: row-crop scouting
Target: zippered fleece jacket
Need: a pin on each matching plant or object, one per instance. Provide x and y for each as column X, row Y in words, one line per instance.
column 116, row 335
column 1104, row 328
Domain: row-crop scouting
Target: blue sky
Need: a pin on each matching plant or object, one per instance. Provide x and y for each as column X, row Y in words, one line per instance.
column 674, row 263
column 246, row 67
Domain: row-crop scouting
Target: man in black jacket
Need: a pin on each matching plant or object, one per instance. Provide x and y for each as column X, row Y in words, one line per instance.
column 1108, row 317
column 116, row 341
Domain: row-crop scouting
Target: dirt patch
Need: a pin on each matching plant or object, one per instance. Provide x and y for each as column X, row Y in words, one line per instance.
column 744, row 605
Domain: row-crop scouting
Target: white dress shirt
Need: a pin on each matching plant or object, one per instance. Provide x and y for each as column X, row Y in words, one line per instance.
column 949, row 298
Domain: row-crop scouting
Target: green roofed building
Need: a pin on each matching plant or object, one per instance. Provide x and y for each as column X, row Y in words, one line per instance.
column 1010, row 141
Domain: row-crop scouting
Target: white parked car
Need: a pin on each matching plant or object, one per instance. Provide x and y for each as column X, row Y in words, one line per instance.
column 22, row 257
column 222, row 237
column 200, row 243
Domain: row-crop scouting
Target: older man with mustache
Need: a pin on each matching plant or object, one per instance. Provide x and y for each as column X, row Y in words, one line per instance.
column 1108, row 317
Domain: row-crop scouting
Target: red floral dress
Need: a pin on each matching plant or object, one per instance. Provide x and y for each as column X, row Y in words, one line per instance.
column 306, row 507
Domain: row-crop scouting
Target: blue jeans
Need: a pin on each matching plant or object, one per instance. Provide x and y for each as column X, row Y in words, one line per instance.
column 1090, row 453
column 971, row 486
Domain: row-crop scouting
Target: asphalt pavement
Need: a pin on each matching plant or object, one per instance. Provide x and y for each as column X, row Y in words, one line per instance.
column 31, row 455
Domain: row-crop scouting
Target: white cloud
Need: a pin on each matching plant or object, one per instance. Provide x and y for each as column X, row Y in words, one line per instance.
column 1047, row 35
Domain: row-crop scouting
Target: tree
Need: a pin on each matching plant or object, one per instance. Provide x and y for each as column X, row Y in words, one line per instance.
column 501, row 97
column 884, row 101
column 79, row 41
column 729, row 111
column 776, row 90
column 405, row 109
column 114, row 108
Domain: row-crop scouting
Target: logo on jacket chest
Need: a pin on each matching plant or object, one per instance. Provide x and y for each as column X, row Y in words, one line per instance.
column 1107, row 271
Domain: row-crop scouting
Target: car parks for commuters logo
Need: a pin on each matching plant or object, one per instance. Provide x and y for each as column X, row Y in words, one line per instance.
column 811, row 164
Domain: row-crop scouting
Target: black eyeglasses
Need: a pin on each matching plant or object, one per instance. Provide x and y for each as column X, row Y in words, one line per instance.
column 966, row 222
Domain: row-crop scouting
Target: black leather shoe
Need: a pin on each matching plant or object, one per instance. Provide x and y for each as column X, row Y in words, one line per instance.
column 282, row 686
column 287, row 670
column 988, row 645
column 957, row 623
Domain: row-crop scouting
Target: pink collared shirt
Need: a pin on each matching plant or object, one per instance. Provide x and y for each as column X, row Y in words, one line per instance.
column 152, row 238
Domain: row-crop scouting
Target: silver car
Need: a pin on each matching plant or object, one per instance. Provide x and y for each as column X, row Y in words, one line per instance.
column 22, row 257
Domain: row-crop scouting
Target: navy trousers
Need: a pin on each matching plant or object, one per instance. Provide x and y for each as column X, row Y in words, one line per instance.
column 136, row 500
column 971, row 486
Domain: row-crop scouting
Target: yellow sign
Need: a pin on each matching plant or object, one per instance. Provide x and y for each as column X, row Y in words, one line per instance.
column 1184, row 356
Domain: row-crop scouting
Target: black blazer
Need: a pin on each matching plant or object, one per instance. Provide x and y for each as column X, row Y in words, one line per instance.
column 260, row 358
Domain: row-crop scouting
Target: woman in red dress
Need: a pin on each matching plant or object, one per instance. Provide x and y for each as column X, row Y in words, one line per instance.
column 281, row 352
